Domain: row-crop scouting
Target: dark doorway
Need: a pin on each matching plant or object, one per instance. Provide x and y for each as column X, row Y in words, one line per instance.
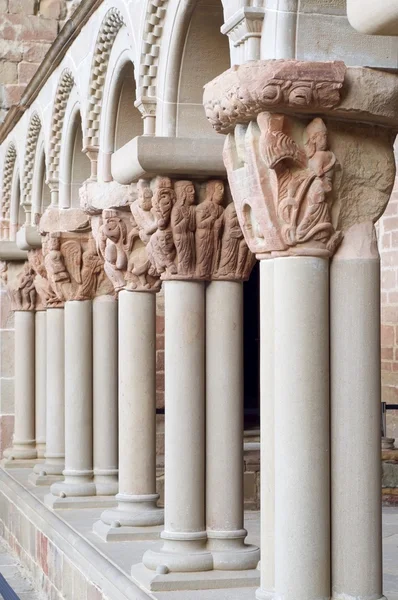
column 251, row 346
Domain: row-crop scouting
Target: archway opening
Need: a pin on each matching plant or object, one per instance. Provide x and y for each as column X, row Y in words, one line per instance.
column 80, row 166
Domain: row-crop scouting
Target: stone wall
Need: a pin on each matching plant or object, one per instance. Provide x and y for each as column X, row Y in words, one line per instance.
column 27, row 29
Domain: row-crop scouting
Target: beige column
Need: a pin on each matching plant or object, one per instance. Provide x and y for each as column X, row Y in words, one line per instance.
column 224, row 428
column 267, row 452
column 137, row 497
column 78, row 403
column 355, row 417
column 105, row 409
column 24, row 446
column 301, row 419
column 52, row 469
column 184, row 536
column 40, row 382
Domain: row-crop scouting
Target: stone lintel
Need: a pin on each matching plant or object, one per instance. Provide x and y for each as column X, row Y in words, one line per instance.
column 148, row 156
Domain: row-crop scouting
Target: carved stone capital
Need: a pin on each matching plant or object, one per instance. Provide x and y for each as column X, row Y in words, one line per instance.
column 20, row 287
column 74, row 268
column 299, row 181
column 125, row 257
column 47, row 296
column 188, row 232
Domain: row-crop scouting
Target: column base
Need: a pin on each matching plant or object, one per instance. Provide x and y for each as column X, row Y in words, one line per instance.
column 41, row 449
column 76, row 484
column 16, row 463
column 264, row 594
column 343, row 596
column 106, row 482
column 118, row 533
column 60, row 502
column 182, row 552
column 229, row 551
column 21, row 451
column 161, row 581
column 135, row 511
column 40, row 477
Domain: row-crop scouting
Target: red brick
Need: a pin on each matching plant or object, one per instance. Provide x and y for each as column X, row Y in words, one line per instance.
column 12, row 94
column 386, row 366
column 159, row 324
column 388, row 279
column 389, row 259
column 389, row 314
column 392, row 206
column 383, row 297
column 8, row 72
column 27, row 28
column 159, row 382
column 390, row 224
column 159, row 399
column 394, row 239
column 387, row 336
column 160, row 360
column 395, row 366
column 52, row 9
column 387, row 354
column 10, row 50
column 160, row 342
column 24, row 7
column 35, row 52
column 26, row 71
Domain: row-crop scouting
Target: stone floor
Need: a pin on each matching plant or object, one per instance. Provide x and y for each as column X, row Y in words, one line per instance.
column 125, row 554
column 16, row 576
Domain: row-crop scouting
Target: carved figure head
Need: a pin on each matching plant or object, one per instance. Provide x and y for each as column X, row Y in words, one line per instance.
column 145, row 195
column 315, row 137
column 54, row 242
column 215, row 191
column 185, row 192
column 113, row 226
column 163, row 200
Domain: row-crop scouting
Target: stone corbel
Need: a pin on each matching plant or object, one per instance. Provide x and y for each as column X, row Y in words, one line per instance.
column 304, row 150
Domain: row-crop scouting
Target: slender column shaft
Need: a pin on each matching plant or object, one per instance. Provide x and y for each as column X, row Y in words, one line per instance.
column 267, row 452
column 55, row 421
column 105, row 407
column 224, row 427
column 137, row 495
column 301, row 417
column 78, row 402
column 40, row 382
column 355, row 418
column 184, row 535
column 24, row 428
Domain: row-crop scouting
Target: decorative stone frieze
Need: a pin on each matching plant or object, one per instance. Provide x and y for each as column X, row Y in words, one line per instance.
column 189, row 240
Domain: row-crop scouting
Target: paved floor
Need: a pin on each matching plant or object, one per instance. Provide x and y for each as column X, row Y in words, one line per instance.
column 16, row 576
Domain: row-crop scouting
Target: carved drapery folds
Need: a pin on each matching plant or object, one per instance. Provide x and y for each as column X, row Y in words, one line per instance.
column 191, row 239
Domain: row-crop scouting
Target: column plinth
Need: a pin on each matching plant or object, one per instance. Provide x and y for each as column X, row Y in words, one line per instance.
column 137, row 498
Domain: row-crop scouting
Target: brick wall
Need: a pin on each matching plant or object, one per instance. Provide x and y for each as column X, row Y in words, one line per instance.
column 27, row 29
column 388, row 245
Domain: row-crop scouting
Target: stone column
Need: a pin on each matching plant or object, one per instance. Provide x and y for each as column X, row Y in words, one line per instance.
column 78, row 471
column 136, row 514
column 105, row 409
column 184, row 536
column 52, row 469
column 298, row 188
column 24, row 446
column 224, row 428
column 23, row 301
column 137, row 498
column 40, row 382
column 355, row 417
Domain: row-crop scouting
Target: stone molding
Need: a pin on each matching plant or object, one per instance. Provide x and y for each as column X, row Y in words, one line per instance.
column 64, row 89
column 241, row 93
column 110, row 27
column 9, row 164
column 150, row 50
column 190, row 240
column 30, row 156
column 246, row 23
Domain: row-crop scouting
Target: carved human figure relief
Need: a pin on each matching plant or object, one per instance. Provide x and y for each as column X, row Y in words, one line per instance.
column 21, row 290
column 236, row 260
column 183, row 224
column 161, row 249
column 290, row 172
column 142, row 212
column 209, row 222
column 47, row 296
column 55, row 265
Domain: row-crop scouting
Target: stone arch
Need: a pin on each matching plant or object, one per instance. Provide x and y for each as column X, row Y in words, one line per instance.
column 8, row 174
column 64, row 89
column 110, row 27
column 30, row 159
